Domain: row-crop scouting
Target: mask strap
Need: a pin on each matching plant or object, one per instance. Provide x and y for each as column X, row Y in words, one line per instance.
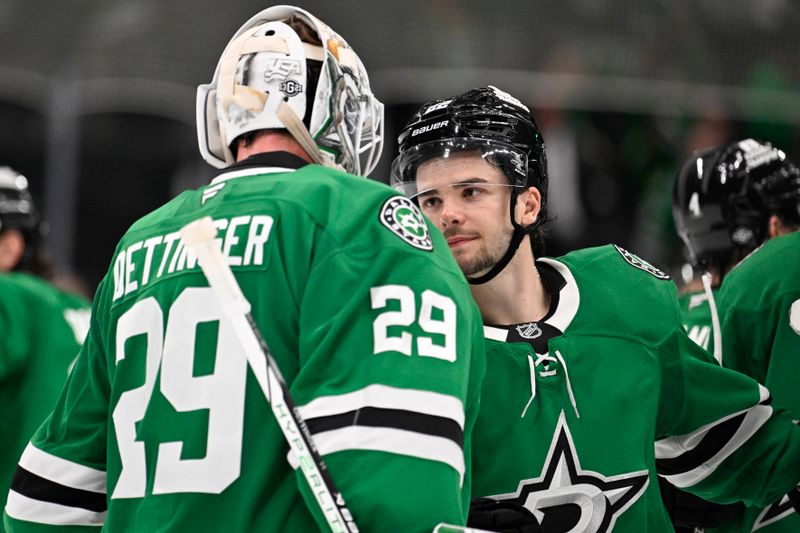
column 295, row 126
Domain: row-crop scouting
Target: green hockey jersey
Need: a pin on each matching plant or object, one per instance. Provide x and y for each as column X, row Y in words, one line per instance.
column 759, row 306
column 163, row 427
column 696, row 316
column 687, row 508
column 573, row 404
column 41, row 331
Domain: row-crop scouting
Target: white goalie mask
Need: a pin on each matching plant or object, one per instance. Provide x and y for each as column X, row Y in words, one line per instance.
column 261, row 82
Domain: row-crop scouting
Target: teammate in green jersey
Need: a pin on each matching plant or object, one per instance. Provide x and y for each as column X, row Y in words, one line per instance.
column 41, row 327
column 592, row 384
column 714, row 245
column 696, row 314
column 162, row 427
column 709, row 260
column 737, row 207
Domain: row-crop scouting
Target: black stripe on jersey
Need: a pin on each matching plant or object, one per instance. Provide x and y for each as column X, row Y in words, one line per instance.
column 38, row 488
column 433, row 425
column 711, row 444
column 716, row 438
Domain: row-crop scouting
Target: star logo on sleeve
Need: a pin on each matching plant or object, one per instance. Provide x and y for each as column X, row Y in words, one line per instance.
column 403, row 218
column 641, row 264
column 565, row 498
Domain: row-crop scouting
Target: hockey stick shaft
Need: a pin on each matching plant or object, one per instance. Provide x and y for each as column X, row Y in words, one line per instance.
column 200, row 237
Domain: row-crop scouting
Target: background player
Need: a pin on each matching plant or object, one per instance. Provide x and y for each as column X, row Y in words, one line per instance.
column 41, row 327
column 710, row 260
column 737, row 208
column 162, row 426
column 588, row 363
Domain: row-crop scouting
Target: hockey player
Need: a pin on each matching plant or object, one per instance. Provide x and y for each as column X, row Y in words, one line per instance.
column 710, row 258
column 41, row 327
column 711, row 249
column 696, row 311
column 163, row 427
column 588, row 364
column 739, row 212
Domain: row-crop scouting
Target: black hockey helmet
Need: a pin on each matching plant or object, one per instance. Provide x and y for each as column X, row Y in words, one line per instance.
column 485, row 119
column 723, row 198
column 17, row 208
column 491, row 122
column 18, row 212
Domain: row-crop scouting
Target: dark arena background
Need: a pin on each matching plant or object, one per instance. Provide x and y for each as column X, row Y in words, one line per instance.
column 97, row 99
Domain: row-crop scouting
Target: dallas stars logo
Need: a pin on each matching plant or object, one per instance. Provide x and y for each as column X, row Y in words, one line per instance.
column 567, row 499
column 641, row 264
column 400, row 215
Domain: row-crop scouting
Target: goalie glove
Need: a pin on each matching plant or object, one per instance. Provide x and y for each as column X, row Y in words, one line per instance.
column 502, row 516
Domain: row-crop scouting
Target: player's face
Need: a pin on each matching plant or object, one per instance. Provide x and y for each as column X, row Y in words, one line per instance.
column 468, row 200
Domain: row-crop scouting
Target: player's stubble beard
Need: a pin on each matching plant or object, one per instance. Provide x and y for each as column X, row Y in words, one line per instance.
column 482, row 259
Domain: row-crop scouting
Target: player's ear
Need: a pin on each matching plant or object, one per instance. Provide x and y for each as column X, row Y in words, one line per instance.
column 529, row 204
column 12, row 246
column 775, row 227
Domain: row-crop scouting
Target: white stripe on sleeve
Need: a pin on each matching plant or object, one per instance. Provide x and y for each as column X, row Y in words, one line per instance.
column 62, row 471
column 21, row 507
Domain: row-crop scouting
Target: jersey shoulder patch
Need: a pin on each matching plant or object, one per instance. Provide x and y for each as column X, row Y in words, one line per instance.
column 404, row 219
column 636, row 261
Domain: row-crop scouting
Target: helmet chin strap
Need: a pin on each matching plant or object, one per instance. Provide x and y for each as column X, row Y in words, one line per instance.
column 516, row 240
column 518, row 234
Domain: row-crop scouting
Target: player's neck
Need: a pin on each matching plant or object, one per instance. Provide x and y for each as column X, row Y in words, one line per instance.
column 269, row 141
column 516, row 294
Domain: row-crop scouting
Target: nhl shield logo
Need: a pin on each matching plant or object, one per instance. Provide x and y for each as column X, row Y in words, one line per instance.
column 530, row 330
column 403, row 218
